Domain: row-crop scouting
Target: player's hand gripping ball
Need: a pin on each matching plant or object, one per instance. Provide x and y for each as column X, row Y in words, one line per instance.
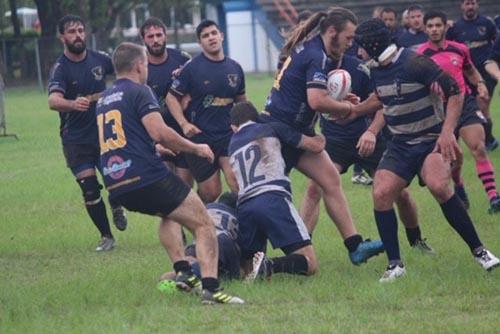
column 339, row 84
column 167, row 286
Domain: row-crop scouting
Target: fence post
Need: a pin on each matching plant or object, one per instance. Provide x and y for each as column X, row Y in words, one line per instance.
column 4, row 51
column 38, row 67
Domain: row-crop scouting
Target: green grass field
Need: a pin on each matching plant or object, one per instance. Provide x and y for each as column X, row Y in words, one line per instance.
column 52, row 281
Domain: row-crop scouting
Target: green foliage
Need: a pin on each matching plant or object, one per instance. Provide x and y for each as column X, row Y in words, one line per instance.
column 51, row 280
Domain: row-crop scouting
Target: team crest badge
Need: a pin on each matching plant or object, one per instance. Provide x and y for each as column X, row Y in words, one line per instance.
column 98, row 73
column 233, row 80
column 481, row 30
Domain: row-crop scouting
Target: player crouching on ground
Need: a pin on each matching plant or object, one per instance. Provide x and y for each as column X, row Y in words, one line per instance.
column 265, row 209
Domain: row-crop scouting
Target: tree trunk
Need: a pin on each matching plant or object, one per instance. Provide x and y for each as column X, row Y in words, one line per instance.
column 14, row 18
column 49, row 12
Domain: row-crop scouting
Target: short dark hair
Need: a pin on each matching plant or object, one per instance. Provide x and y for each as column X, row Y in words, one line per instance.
column 153, row 22
column 243, row 112
column 67, row 20
column 125, row 56
column 389, row 10
column 415, row 7
column 204, row 24
column 433, row 14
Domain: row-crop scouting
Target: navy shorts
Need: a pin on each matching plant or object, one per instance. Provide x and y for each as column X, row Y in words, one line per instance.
column 201, row 168
column 405, row 160
column 179, row 160
column 471, row 113
column 81, row 156
column 345, row 154
column 229, row 257
column 272, row 216
column 157, row 199
column 291, row 155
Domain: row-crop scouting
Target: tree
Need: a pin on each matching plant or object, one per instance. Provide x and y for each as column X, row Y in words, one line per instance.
column 14, row 19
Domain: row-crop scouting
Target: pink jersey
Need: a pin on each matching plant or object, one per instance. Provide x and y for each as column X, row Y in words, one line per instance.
column 453, row 58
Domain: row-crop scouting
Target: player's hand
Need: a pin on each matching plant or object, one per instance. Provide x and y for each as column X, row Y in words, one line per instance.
column 366, row 144
column 448, row 147
column 80, row 104
column 482, row 92
column 163, row 151
column 353, row 98
column 189, row 129
column 318, row 142
column 204, row 151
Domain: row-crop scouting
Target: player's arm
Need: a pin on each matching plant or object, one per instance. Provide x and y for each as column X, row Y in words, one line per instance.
column 319, row 100
column 369, row 106
column 57, row 102
column 492, row 67
column 240, row 98
column 162, row 134
column 175, row 108
column 368, row 140
column 474, row 77
column 314, row 144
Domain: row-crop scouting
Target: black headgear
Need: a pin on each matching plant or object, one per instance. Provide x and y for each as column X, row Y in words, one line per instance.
column 373, row 36
column 229, row 198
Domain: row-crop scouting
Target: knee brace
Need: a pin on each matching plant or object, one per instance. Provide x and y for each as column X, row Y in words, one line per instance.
column 91, row 189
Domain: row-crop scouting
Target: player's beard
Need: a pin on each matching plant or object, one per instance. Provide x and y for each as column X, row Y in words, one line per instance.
column 73, row 48
column 158, row 51
column 470, row 14
column 336, row 51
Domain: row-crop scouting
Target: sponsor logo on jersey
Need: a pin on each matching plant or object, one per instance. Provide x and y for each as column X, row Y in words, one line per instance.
column 116, row 167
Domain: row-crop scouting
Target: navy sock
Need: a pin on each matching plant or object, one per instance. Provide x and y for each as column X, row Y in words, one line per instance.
column 210, row 283
column 182, row 266
column 97, row 213
column 357, row 169
column 413, row 235
column 387, row 225
column 353, row 242
column 291, row 264
column 459, row 219
column 488, row 130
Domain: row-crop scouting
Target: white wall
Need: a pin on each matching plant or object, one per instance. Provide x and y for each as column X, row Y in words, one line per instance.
column 241, row 43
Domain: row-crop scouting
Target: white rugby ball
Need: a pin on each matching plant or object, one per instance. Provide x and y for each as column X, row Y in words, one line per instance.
column 339, row 84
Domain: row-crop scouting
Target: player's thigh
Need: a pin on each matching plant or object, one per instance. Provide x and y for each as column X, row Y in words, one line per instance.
column 319, row 168
column 191, row 213
column 435, row 171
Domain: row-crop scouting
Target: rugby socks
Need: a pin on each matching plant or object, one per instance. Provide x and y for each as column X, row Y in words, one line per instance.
column 210, row 283
column 353, row 242
column 459, row 219
column 387, row 225
column 413, row 235
column 486, row 174
column 97, row 213
column 290, row 264
column 182, row 266
column 487, row 130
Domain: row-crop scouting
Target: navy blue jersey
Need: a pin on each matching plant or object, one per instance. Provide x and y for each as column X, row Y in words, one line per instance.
column 362, row 87
column 224, row 218
column 305, row 68
column 128, row 158
column 412, row 112
column 255, row 157
column 411, row 40
column 396, row 33
column 477, row 34
column 75, row 79
column 160, row 79
column 495, row 51
column 213, row 86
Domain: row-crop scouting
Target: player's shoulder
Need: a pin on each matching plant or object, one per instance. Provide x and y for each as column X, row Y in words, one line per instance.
column 179, row 54
column 98, row 54
column 232, row 62
column 457, row 45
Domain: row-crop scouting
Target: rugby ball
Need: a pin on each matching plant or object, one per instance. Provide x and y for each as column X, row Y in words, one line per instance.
column 339, row 84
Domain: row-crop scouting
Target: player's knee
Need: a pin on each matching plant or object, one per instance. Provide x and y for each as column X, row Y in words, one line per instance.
column 382, row 196
column 478, row 150
column 404, row 197
column 209, row 194
column 312, row 266
column 91, row 189
column 440, row 188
